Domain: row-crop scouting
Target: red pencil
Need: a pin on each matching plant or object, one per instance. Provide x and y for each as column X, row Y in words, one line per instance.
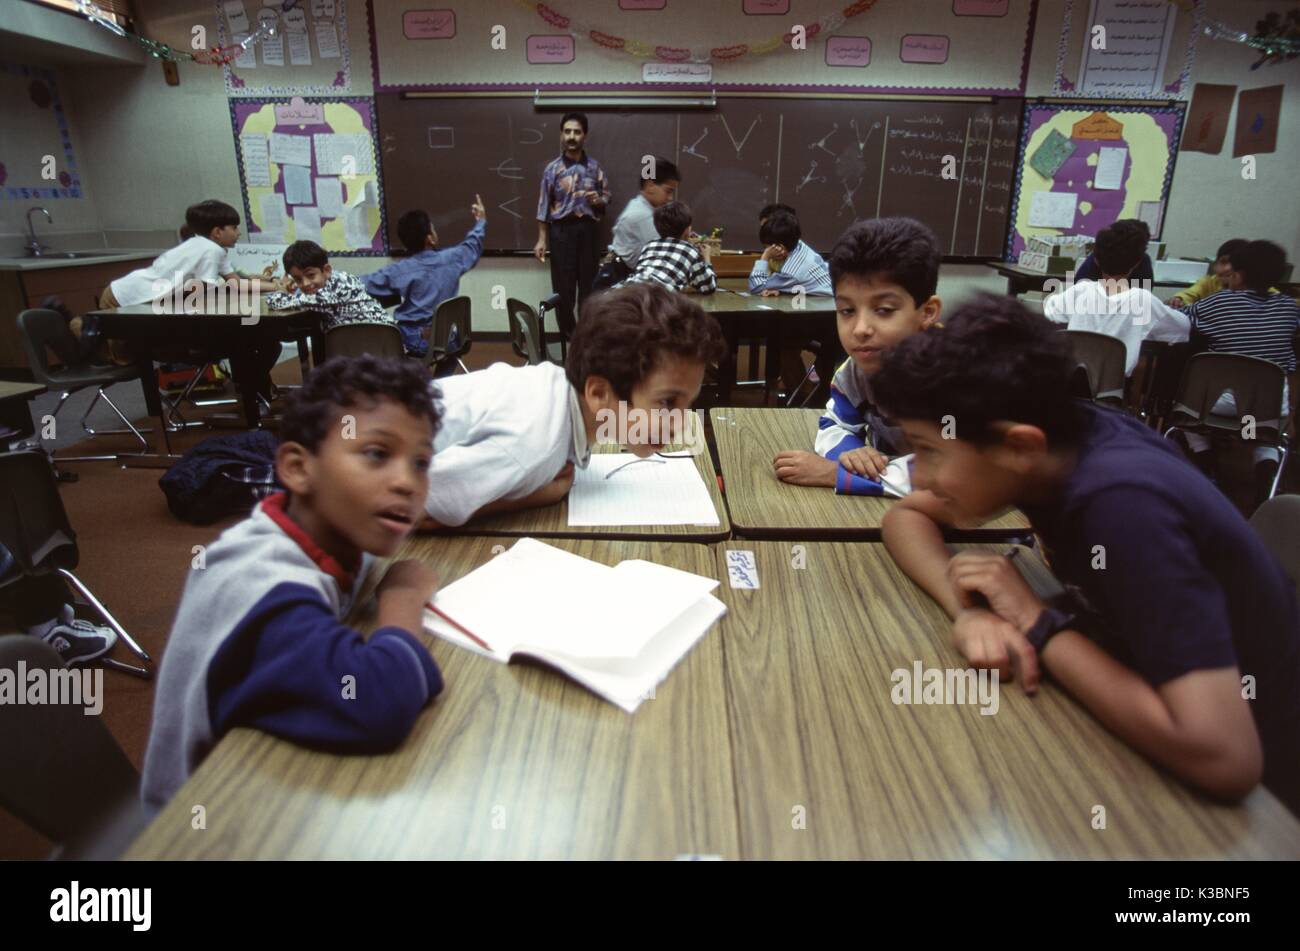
column 460, row 627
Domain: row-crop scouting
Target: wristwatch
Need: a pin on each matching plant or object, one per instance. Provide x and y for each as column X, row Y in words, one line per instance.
column 1051, row 621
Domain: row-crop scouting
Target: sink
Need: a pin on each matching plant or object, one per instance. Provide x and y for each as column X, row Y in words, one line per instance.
column 62, row 255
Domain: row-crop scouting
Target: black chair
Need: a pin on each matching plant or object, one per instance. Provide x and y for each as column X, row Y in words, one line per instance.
column 1257, row 391
column 451, row 317
column 44, row 331
column 1277, row 522
column 525, row 331
column 64, row 774
column 352, row 340
column 550, row 303
column 34, row 528
column 1102, row 359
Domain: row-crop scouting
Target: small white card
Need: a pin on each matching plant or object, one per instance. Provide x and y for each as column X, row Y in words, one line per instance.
column 742, row 569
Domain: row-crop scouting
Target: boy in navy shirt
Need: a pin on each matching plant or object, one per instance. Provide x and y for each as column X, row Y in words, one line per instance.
column 258, row 640
column 428, row 275
column 1179, row 630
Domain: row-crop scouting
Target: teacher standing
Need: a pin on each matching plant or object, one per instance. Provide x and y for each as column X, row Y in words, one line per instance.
column 573, row 197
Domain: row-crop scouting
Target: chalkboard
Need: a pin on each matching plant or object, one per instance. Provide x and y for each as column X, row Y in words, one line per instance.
column 950, row 164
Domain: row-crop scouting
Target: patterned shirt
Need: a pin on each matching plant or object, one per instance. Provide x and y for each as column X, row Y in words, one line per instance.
column 427, row 279
column 851, row 422
column 343, row 300
column 1249, row 323
column 676, row 264
column 563, row 181
column 802, row 267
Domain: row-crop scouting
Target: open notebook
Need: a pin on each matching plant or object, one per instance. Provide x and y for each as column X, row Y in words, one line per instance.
column 617, row 631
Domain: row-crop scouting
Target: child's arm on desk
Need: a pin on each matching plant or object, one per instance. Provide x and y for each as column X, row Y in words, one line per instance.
column 913, row 537
column 548, row 494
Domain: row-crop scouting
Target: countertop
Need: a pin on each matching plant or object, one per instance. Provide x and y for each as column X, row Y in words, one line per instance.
column 53, row 259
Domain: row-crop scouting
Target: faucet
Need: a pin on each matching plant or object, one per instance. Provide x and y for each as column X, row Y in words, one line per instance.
column 34, row 247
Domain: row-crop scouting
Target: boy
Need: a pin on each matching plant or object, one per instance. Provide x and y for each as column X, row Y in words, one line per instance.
column 1090, row 269
column 672, row 260
column 511, row 435
column 787, row 262
column 339, row 296
column 1250, row 319
column 1215, row 281
column 1112, row 306
column 1171, row 599
column 258, row 640
column 635, row 227
column 428, row 275
column 885, row 273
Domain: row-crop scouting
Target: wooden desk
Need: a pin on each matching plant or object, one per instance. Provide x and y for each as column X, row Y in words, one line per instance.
column 762, row 506
column 223, row 330
column 732, row 264
column 772, row 319
column 813, row 725
column 553, row 520
column 520, row 762
column 15, row 413
column 509, row 762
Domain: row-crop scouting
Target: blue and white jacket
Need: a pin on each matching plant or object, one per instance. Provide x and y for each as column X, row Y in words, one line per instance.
column 851, row 422
column 258, row 642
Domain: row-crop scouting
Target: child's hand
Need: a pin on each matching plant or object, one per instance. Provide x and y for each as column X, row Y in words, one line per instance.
column 774, row 252
column 988, row 641
column 1175, row 301
column 408, row 580
column 268, row 271
column 865, row 462
column 996, row 578
column 798, row 467
column 477, row 209
column 285, row 283
column 769, row 293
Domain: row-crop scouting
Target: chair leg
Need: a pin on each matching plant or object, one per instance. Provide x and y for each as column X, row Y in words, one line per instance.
column 461, row 364
column 111, row 621
column 63, row 398
column 101, row 394
column 795, row 391
column 144, row 443
column 1285, row 446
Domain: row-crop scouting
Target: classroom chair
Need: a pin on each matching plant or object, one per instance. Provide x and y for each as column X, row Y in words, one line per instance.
column 34, row 528
column 451, row 317
column 1277, row 523
column 1102, row 359
column 65, row 776
column 525, row 331
column 353, row 340
column 816, row 347
column 45, row 331
column 550, row 303
column 1257, row 387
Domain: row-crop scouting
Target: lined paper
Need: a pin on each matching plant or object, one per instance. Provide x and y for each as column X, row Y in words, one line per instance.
column 656, row 491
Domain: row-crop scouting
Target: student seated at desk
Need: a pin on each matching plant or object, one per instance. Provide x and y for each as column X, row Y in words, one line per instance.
column 885, row 272
column 673, row 261
column 428, row 275
column 1218, row 278
column 635, row 227
column 1171, row 597
column 511, row 435
column 1090, row 270
column 1112, row 305
column 258, row 641
column 1249, row 318
column 340, row 297
column 787, row 263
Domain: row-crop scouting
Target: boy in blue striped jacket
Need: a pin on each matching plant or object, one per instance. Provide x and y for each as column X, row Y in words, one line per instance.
column 884, row 273
column 258, row 639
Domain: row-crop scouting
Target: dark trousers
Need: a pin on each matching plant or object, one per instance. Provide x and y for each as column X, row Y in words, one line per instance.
column 573, row 266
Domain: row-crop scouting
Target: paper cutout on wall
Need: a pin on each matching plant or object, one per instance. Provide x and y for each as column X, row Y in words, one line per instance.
column 1257, row 116
column 1053, row 209
column 1110, row 169
column 1051, row 155
column 1098, row 126
column 1207, row 118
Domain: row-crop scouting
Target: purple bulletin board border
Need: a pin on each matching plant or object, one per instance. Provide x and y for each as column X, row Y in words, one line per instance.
column 243, row 107
column 73, row 187
column 1036, row 114
column 522, row 88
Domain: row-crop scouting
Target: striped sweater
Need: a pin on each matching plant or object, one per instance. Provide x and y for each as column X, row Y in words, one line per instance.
column 802, row 267
column 851, row 422
column 1248, row 323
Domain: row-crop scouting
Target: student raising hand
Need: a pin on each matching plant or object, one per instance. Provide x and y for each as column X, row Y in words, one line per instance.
column 477, row 209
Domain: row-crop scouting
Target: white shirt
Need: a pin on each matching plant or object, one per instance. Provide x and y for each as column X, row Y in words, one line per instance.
column 634, row 229
column 1131, row 315
column 197, row 258
column 506, row 431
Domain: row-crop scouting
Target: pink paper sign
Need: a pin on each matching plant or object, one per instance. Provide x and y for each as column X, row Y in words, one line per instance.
column 980, row 8
column 641, row 4
column 298, row 112
column 767, row 7
column 429, row 24
column 848, row 51
column 924, row 48
column 547, row 50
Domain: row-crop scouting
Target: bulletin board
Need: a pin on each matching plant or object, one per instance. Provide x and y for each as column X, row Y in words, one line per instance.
column 310, row 56
column 308, row 172
column 1086, row 165
column 36, row 159
column 947, row 47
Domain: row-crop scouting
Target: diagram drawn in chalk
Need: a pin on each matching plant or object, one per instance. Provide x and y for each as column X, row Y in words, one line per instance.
column 691, row 150
column 510, row 211
column 442, row 137
column 741, row 144
column 810, row 176
column 530, row 141
column 821, row 143
column 857, row 133
column 847, row 200
column 506, row 167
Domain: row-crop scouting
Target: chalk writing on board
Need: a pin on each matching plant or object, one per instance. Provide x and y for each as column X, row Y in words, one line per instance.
column 510, row 211
column 741, row 144
column 442, row 137
column 693, row 149
column 507, row 168
column 809, row 177
column 857, row 133
column 531, row 136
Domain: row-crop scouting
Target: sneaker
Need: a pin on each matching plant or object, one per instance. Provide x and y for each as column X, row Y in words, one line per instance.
column 77, row 641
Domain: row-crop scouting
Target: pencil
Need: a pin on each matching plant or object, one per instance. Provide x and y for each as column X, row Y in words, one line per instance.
column 460, row 627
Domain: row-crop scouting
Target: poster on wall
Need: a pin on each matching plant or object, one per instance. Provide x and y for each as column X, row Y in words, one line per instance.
column 1120, row 165
column 308, row 56
column 1128, row 49
column 308, row 172
column 1207, row 117
column 36, row 159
